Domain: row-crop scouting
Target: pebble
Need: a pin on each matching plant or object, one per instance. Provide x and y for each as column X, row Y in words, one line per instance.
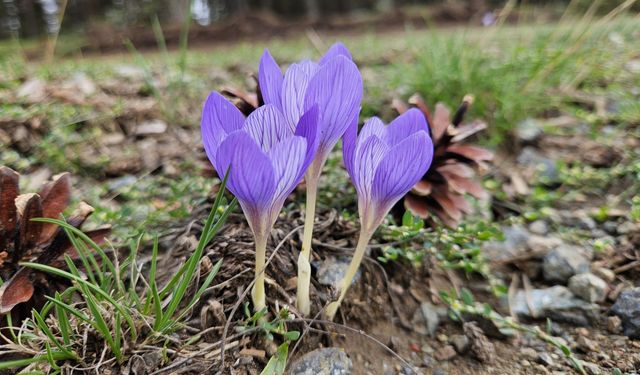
column 545, row 359
column 539, row 227
column 514, row 244
column 529, row 353
column 445, row 353
column 460, row 342
column 563, row 262
column 614, row 324
column 627, row 308
column 426, row 319
column 557, row 303
column 151, row 127
column 605, row 274
column 587, row 345
column 529, row 130
column 33, row 90
column 589, row 287
column 591, row 368
column 546, row 168
column 331, row 270
column 627, row 227
column 324, row 361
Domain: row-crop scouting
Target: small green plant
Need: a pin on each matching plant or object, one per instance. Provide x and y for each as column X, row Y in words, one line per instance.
column 458, row 248
column 464, row 304
column 118, row 304
column 257, row 321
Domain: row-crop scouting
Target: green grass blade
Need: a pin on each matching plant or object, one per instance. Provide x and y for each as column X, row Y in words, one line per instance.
column 89, row 286
column 42, row 325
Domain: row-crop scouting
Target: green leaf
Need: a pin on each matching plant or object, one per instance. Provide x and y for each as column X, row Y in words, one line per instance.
column 466, row 296
column 407, row 219
column 291, row 335
column 278, row 362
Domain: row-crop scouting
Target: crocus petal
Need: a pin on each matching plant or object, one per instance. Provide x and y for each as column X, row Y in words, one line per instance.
column 267, row 126
column 337, row 49
column 294, row 86
column 308, row 128
column 366, row 161
column 349, row 140
column 219, row 118
column 412, row 121
column 337, row 89
column 252, row 178
column 372, row 127
column 270, row 80
column 288, row 159
column 400, row 169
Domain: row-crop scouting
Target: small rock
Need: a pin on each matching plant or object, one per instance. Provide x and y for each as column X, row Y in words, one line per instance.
column 130, row 72
column 614, row 324
column 557, row 303
column 514, row 244
column 331, row 270
column 591, row 368
column 151, row 127
column 563, row 262
column 589, row 287
column 33, row 90
column 545, row 359
column 529, row 353
column 627, row 227
column 460, row 342
column 525, row 363
column 481, row 347
column 529, row 130
column 546, row 168
column 426, row 319
column 445, row 353
column 539, row 227
column 585, row 222
column 81, row 83
column 325, row 361
column 627, row 308
column 610, row 227
column 122, row 182
column 605, row 274
column 543, row 244
column 587, row 345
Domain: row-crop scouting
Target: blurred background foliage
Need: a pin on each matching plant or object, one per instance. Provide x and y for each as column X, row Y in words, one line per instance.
column 37, row 18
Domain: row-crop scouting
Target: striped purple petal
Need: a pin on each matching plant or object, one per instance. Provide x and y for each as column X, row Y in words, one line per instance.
column 337, row 49
column 270, row 80
column 401, row 168
column 219, row 118
column 251, row 177
column 267, row 126
column 385, row 162
column 287, row 157
column 337, row 90
column 412, row 121
column 294, row 87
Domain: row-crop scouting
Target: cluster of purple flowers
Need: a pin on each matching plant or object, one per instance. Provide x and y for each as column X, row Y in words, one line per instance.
column 306, row 111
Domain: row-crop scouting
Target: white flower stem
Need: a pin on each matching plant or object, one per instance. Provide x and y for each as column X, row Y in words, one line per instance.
column 257, row 293
column 304, row 267
column 363, row 241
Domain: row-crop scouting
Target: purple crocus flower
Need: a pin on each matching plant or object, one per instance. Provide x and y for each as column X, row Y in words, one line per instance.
column 334, row 85
column 384, row 163
column 265, row 159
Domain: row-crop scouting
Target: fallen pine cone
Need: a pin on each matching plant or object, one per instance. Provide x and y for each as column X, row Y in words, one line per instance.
column 22, row 239
column 453, row 171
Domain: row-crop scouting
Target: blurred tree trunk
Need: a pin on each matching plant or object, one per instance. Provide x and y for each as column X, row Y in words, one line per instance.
column 312, row 9
column 178, row 10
